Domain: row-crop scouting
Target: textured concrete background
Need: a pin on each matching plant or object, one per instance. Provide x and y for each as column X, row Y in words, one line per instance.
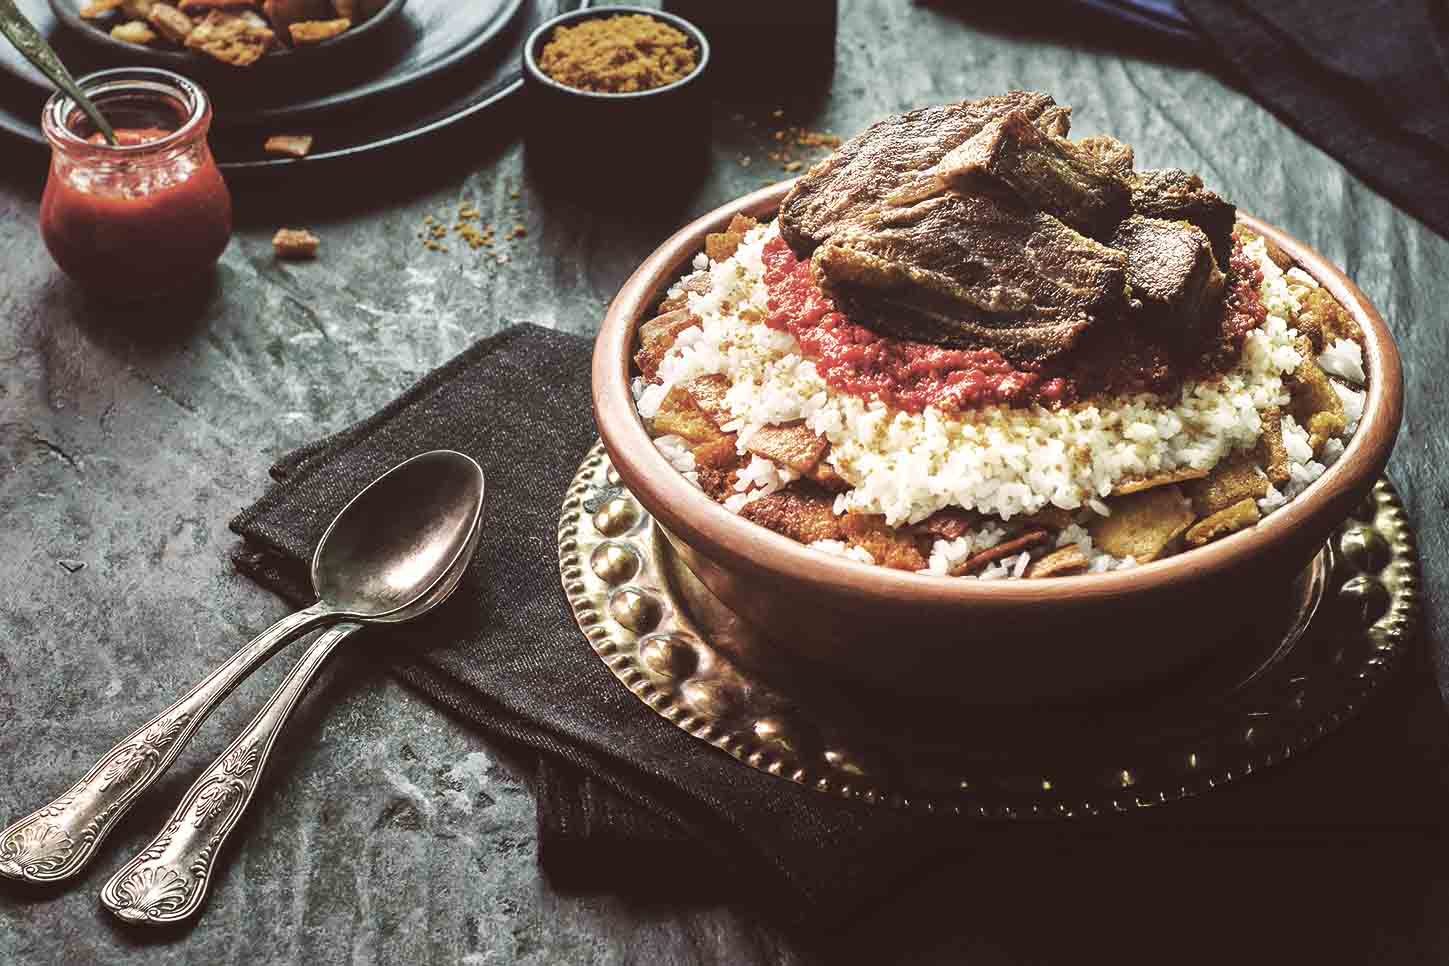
column 390, row 834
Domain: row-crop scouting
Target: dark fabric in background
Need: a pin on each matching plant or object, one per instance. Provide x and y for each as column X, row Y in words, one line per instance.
column 1365, row 80
column 626, row 801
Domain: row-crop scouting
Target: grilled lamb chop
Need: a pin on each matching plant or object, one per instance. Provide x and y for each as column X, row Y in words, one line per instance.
column 1175, row 195
column 1047, row 173
column 974, row 270
column 873, row 164
column 1172, row 274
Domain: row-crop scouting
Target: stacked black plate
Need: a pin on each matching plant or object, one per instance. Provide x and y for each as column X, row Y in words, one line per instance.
column 428, row 65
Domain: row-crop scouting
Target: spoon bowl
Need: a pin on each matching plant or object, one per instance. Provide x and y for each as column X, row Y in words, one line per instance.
column 399, row 538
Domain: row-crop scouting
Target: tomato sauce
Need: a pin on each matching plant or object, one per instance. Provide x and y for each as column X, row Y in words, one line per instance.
column 912, row 375
column 136, row 225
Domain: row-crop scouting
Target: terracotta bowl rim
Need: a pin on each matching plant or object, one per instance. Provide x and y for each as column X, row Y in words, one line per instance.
column 732, row 541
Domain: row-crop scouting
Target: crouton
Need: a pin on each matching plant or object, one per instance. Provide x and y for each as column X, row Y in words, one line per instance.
column 1145, row 525
column 133, row 32
column 1067, row 561
column 723, row 244
column 791, row 445
column 888, row 546
column 316, row 31
column 709, row 391
column 1165, row 478
column 698, row 284
column 803, row 515
column 1316, row 404
column 1234, row 479
column 718, row 454
column 1323, row 320
column 169, row 22
column 1239, row 516
column 679, row 415
column 656, row 337
column 231, row 38
column 1272, row 454
column 293, row 145
column 99, row 9
column 295, row 243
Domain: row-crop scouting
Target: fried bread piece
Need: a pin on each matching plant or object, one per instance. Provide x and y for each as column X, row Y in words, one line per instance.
column 802, row 514
column 723, row 244
column 294, row 145
column 1165, row 478
column 709, row 391
column 1233, row 480
column 949, row 524
column 1145, row 525
column 978, row 561
column 1239, row 516
column 889, row 547
column 99, row 9
column 718, row 454
column 316, row 31
column 134, row 32
column 1316, row 404
column 169, row 22
column 1272, row 454
column 679, row 415
column 231, row 38
column 1323, row 320
column 656, row 337
column 1066, row 561
column 699, row 283
column 295, row 243
column 790, row 445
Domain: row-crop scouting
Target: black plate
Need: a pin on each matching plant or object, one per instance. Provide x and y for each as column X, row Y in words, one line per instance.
column 425, row 39
column 170, row 58
column 439, row 102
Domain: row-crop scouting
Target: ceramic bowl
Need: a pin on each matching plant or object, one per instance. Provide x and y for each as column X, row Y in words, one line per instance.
column 986, row 641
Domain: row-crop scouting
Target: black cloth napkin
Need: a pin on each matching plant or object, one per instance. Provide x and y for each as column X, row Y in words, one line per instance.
column 625, row 799
column 1365, row 80
column 627, row 802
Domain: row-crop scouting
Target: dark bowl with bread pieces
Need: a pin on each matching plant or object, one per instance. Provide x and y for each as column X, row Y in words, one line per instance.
column 973, row 641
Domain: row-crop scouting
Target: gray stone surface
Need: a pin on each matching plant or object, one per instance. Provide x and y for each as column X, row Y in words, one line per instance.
column 389, row 833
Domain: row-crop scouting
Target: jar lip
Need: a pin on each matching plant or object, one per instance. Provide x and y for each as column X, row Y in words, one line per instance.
column 61, row 107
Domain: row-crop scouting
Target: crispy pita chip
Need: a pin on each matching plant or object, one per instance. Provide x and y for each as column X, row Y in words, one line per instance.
column 699, row 284
column 679, row 415
column 315, row 31
column 1067, row 561
column 951, row 523
column 1316, row 404
column 134, row 32
column 1272, row 454
column 718, row 483
column 231, row 38
column 803, row 515
column 293, row 145
column 709, row 391
column 723, row 244
column 1165, row 478
column 790, row 445
column 656, row 337
column 897, row 549
column 1233, row 480
column 718, row 454
column 1323, row 320
column 1007, row 548
column 169, row 22
column 1145, row 525
column 99, row 9
column 1239, row 516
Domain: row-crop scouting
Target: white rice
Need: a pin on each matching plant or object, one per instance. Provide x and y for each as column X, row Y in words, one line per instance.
column 997, row 460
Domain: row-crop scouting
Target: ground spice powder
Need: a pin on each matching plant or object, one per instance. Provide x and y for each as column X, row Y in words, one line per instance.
column 617, row 55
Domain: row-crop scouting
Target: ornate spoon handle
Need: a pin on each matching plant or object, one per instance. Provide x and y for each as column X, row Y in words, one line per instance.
column 55, row 841
column 167, row 882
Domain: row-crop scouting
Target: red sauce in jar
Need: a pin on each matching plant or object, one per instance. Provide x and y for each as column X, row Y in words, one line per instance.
column 145, row 216
column 912, row 375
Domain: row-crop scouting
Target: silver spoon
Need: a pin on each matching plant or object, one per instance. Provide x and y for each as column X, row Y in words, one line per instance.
column 393, row 552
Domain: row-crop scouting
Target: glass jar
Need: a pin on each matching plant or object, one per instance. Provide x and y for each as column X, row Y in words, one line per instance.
column 149, row 214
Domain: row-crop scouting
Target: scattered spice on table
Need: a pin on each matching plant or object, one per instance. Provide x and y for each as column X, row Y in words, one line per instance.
column 618, row 55
column 792, row 147
column 468, row 227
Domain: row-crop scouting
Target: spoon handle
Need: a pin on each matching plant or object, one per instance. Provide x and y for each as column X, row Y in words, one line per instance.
column 167, row 882
column 56, row 841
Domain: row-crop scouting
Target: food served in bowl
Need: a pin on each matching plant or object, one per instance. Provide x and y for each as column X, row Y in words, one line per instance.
column 970, row 346
column 234, row 32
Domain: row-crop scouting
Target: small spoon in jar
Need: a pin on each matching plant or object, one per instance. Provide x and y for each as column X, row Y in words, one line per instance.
column 394, row 551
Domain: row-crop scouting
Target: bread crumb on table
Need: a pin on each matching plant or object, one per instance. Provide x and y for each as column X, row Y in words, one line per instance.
column 316, row 31
column 295, row 243
column 134, row 32
column 294, row 145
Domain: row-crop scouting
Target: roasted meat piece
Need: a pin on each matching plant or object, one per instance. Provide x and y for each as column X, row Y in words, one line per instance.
column 1173, row 275
column 1046, row 173
column 974, row 270
column 874, row 163
column 1175, row 195
column 1109, row 152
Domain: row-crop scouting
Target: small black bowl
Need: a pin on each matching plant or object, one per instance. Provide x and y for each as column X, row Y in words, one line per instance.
column 282, row 60
column 572, row 129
